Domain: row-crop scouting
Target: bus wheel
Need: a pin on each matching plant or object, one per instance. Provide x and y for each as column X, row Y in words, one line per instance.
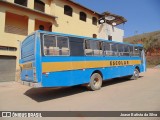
column 135, row 75
column 95, row 82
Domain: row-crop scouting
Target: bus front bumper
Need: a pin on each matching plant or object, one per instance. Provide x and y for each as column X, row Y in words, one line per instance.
column 31, row 84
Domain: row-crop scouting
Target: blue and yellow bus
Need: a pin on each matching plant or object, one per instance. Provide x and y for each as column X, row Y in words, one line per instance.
column 50, row 59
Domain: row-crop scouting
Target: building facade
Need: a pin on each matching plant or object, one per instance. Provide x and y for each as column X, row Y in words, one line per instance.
column 20, row 18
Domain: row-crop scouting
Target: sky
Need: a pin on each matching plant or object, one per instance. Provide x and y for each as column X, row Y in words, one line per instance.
column 142, row 15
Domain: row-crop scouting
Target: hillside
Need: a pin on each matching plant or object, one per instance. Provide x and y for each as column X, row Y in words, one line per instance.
column 151, row 42
column 155, row 34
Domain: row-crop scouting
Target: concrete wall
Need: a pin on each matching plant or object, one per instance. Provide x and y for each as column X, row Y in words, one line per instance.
column 64, row 23
column 73, row 25
column 116, row 33
column 12, row 39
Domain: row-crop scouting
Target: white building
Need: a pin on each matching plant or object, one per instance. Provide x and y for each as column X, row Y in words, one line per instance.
column 108, row 29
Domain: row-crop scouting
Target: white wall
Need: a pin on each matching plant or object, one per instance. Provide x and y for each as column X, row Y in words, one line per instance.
column 116, row 33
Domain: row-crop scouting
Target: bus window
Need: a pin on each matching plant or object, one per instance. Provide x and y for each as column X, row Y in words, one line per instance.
column 141, row 54
column 126, row 50
column 55, row 45
column 101, row 48
column 140, row 51
column 76, row 46
column 120, row 49
column 63, row 45
column 114, row 49
column 131, row 50
column 96, row 47
column 136, row 51
column 88, row 50
column 49, row 44
column 107, row 49
column 93, row 48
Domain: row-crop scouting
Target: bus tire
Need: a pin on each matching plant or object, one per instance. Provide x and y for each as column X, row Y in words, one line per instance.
column 95, row 82
column 135, row 75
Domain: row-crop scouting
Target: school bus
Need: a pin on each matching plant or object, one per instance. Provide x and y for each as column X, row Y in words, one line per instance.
column 50, row 59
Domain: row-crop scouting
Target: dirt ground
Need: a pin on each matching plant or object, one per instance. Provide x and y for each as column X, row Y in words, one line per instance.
column 115, row 95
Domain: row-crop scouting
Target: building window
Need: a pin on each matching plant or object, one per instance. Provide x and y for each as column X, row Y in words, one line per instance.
column 50, row 28
column 109, row 37
column 5, row 48
column 41, row 27
column 18, row 25
column 21, row 2
column 94, row 20
column 39, row 5
column 94, row 36
column 83, row 16
column 68, row 10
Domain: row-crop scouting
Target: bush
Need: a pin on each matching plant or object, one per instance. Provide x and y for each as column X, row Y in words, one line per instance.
column 153, row 61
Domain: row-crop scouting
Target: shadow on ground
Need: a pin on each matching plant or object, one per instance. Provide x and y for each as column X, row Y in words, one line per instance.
column 44, row 94
column 117, row 80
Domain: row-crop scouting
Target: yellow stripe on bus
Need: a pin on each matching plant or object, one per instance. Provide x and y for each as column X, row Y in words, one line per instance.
column 64, row 66
column 28, row 65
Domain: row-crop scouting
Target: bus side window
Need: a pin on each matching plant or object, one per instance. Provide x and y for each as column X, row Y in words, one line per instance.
column 114, row 49
column 63, row 45
column 107, row 49
column 49, row 44
column 76, row 46
column 93, row 48
column 126, row 50
column 120, row 49
column 140, row 51
column 101, row 47
column 88, row 50
column 136, row 51
column 45, row 50
column 131, row 50
column 96, row 46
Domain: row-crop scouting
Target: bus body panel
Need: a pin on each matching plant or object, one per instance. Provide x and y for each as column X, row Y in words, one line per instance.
column 77, row 77
column 82, row 76
column 28, row 59
column 38, row 58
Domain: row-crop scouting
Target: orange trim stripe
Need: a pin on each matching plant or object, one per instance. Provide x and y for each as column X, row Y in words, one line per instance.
column 64, row 66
